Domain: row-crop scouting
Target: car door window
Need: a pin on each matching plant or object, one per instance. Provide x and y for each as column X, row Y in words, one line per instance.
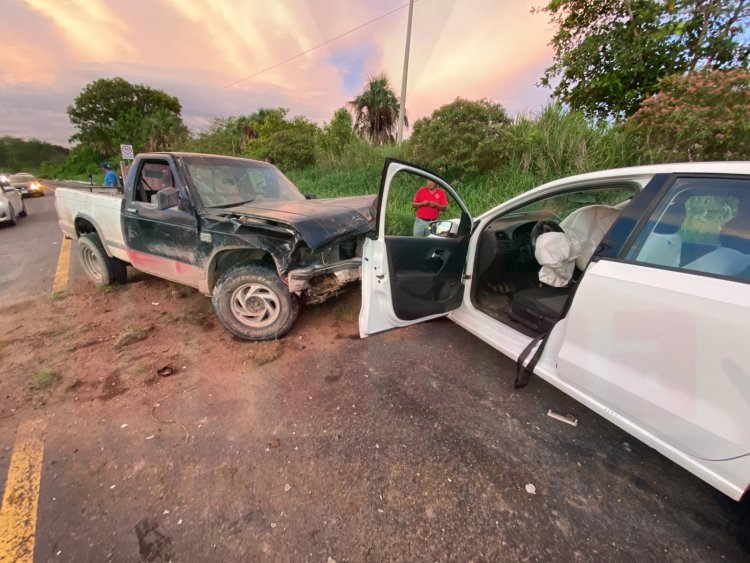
column 152, row 178
column 702, row 225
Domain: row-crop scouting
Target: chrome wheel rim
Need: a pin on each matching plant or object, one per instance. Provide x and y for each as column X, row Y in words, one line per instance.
column 91, row 264
column 255, row 305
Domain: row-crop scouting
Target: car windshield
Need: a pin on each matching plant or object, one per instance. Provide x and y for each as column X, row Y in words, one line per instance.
column 21, row 178
column 227, row 182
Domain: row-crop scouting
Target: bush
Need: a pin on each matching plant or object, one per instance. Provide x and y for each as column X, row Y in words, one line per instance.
column 559, row 142
column 292, row 149
column 338, row 134
column 702, row 115
column 463, row 139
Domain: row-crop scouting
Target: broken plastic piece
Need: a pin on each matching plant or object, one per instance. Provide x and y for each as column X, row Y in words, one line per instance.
column 567, row 419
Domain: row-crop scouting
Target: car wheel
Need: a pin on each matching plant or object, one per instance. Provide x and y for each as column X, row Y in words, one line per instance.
column 23, row 210
column 100, row 268
column 254, row 304
column 12, row 213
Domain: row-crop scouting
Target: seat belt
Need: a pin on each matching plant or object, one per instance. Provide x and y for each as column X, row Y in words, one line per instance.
column 524, row 372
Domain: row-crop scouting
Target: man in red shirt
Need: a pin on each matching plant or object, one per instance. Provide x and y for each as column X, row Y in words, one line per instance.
column 429, row 201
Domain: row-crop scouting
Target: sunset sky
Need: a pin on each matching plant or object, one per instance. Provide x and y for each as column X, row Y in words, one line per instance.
column 194, row 49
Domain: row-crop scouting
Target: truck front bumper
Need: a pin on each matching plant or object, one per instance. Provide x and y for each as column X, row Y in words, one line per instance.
column 322, row 281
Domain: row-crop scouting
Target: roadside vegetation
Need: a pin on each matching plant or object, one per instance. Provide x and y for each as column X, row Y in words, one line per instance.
column 609, row 110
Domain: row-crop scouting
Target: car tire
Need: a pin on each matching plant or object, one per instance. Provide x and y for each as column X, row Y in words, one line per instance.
column 12, row 213
column 23, row 210
column 100, row 268
column 252, row 303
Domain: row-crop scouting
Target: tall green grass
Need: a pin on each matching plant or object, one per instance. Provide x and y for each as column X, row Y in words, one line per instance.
column 546, row 146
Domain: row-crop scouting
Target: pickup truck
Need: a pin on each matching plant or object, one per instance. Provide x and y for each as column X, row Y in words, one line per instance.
column 237, row 230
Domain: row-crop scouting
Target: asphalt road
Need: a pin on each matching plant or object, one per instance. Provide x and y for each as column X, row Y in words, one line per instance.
column 408, row 446
column 29, row 251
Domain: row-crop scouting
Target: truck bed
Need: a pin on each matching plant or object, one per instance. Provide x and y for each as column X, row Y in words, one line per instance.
column 98, row 206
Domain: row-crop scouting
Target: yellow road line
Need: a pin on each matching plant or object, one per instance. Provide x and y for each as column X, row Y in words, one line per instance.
column 21, row 498
column 63, row 268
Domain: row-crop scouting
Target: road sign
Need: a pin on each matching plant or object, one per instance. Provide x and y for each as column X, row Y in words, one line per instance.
column 127, row 152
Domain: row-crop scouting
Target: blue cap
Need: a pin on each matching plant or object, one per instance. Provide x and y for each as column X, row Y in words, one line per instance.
column 106, row 166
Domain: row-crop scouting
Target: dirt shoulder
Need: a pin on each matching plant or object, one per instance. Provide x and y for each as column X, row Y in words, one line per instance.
column 408, row 446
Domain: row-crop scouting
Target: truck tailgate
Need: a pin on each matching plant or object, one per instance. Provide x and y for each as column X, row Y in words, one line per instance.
column 100, row 209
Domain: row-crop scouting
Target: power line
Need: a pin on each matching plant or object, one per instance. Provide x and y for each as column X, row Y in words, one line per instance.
column 298, row 55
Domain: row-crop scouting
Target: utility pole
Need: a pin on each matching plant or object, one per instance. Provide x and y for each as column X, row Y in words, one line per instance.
column 402, row 108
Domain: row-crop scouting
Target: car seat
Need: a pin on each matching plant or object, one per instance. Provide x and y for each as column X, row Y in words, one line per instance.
column 732, row 258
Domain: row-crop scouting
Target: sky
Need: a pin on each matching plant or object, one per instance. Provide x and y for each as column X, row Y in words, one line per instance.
column 201, row 50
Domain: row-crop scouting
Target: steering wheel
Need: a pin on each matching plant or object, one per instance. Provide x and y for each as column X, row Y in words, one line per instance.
column 542, row 227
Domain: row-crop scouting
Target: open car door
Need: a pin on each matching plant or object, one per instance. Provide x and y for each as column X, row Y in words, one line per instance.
column 408, row 279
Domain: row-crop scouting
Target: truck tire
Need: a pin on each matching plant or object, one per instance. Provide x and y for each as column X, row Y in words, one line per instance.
column 253, row 303
column 100, row 268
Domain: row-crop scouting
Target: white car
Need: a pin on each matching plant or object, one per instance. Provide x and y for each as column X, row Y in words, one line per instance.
column 642, row 312
column 12, row 205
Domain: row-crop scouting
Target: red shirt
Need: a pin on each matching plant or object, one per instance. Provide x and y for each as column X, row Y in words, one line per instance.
column 424, row 194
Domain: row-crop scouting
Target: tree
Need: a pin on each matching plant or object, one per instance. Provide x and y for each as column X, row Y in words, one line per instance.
column 463, row 138
column 376, row 111
column 704, row 115
column 338, row 133
column 610, row 54
column 110, row 111
column 28, row 154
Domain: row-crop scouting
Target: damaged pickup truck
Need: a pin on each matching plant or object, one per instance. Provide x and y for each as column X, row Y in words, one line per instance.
column 237, row 230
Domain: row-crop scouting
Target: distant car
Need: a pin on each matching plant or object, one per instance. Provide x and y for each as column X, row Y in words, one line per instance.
column 27, row 184
column 12, row 205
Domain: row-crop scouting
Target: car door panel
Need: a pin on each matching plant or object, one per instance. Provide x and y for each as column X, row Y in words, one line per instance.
column 427, row 274
column 664, row 349
column 406, row 280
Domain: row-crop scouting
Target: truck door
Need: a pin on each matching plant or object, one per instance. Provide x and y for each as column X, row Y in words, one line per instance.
column 162, row 242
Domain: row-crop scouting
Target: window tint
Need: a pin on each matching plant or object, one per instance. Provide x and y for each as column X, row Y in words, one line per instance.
column 702, row 225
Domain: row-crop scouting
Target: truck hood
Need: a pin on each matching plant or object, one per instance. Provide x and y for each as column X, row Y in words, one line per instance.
column 318, row 221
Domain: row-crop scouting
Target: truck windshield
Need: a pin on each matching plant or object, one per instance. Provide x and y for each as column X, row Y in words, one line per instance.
column 227, row 182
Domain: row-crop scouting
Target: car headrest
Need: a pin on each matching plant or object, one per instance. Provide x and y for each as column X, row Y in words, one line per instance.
column 735, row 233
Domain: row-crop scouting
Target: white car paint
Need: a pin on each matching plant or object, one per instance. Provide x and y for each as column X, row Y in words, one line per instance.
column 696, row 323
column 101, row 208
column 10, row 198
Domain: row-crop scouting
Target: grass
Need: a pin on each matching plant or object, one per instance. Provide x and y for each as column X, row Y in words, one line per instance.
column 45, row 378
column 58, row 295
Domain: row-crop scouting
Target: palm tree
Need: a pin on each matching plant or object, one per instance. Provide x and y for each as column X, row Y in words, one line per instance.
column 376, row 111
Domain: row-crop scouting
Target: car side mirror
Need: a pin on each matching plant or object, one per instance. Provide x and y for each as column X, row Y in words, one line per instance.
column 310, row 196
column 166, row 198
column 441, row 228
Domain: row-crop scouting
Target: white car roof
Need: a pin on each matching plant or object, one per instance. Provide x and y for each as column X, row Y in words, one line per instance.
column 724, row 167
column 640, row 174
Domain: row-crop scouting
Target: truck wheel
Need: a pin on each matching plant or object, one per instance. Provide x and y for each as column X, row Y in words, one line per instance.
column 100, row 268
column 254, row 304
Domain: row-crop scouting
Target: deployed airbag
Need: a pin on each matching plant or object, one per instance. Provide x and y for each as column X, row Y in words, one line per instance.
column 588, row 225
column 557, row 253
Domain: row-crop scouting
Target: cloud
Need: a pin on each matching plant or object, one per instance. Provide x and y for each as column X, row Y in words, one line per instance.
column 196, row 50
column 90, row 26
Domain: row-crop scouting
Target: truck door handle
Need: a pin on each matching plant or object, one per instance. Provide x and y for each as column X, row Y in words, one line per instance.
column 132, row 210
column 438, row 254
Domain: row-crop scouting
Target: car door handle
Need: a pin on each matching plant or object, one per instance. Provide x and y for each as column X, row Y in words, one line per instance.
column 132, row 210
column 437, row 254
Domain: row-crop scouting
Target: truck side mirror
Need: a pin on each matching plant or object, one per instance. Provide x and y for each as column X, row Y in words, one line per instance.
column 166, row 198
